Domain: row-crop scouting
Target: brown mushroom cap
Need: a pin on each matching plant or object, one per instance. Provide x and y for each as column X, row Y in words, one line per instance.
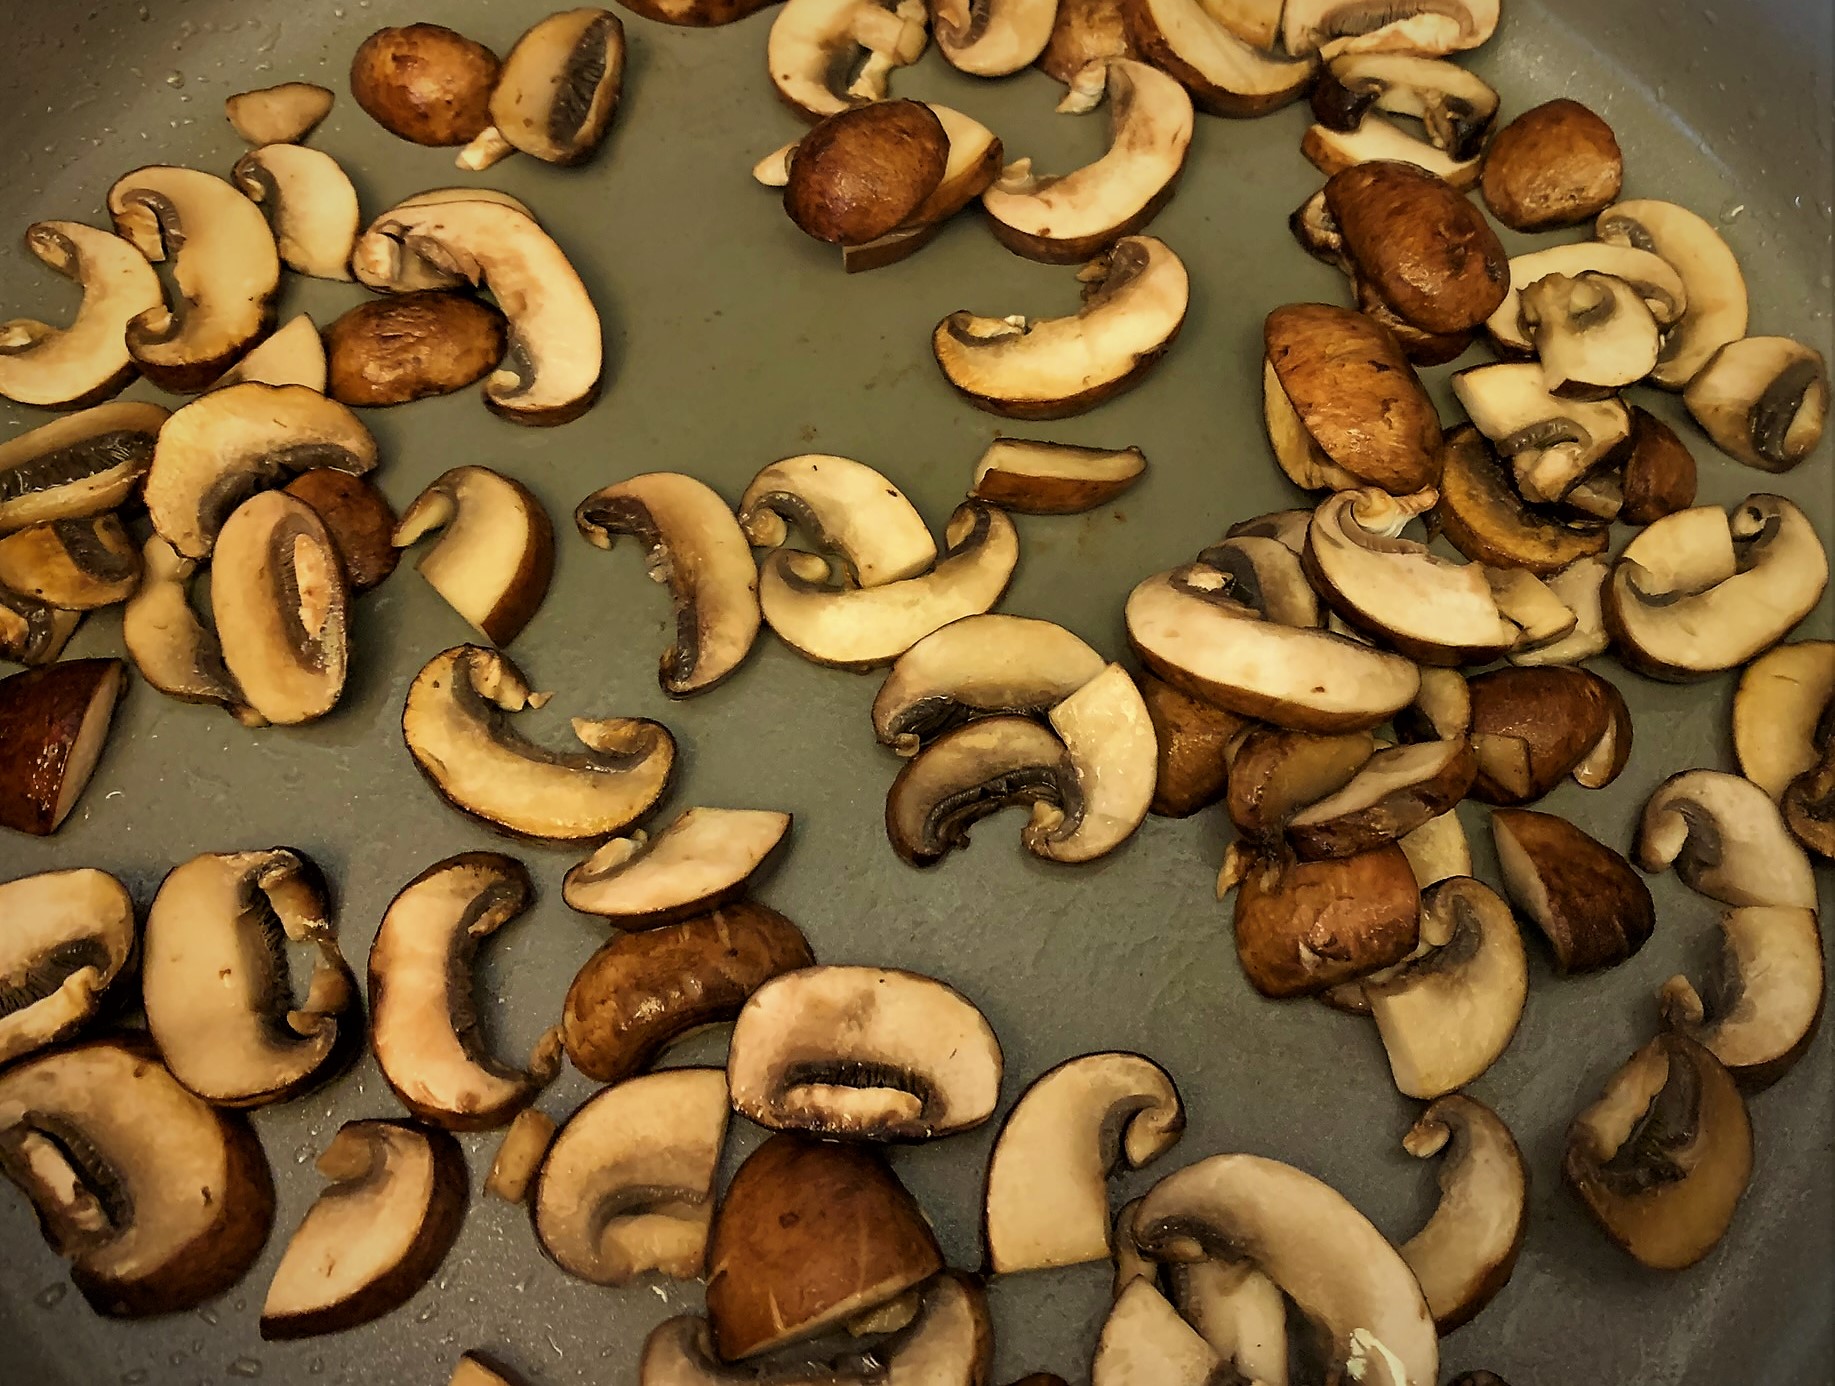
column 1534, row 727
column 1659, row 471
column 862, row 173
column 425, row 83
column 357, row 518
column 1482, row 515
column 1275, row 772
column 1303, row 927
column 408, row 346
column 1085, row 32
column 1555, row 165
column 1196, row 744
column 1593, row 909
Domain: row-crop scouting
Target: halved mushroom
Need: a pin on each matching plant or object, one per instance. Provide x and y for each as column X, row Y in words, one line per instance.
column 1377, row 140
column 702, row 860
column 816, row 45
column 1532, row 728
column 1047, row 1198
column 294, row 355
column 1783, row 697
column 965, row 775
column 863, row 1053
column 1144, row 1342
column 225, row 269
column 1396, row 791
column 1554, row 165
column 1456, row 107
column 69, row 934
column 1653, row 279
column 310, row 204
column 391, row 268
column 1726, row 839
column 1427, row 28
column 80, row 465
column 1067, row 218
column 974, row 161
column 628, row 1185
column 992, row 38
column 691, row 542
column 283, row 114
column 558, row 90
column 215, row 978
column 1227, row 74
column 74, row 565
column 1715, row 290
column 372, row 1238
column 1239, row 1311
column 1112, row 760
column 643, row 991
column 1084, row 32
column 1275, row 772
column 1764, row 997
column 1552, row 443
column 494, row 557
column 1351, row 1285
column 170, row 646
column 1197, row 743
column 424, row 1023
column 863, row 173
column 1593, row 909
column 1447, row 1014
column 1763, row 400
column 1036, row 478
column 842, row 507
column 1304, row 927
column 1662, row 1158
column 70, row 367
column 519, row 1155
column 1593, row 333
column 457, row 730
column 1134, row 301
column 158, row 1200
column 54, row 724
column 1700, row 591
column 1465, row 1253
column 557, row 352
column 1482, row 515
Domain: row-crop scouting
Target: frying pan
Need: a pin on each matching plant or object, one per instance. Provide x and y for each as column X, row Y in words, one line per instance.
column 733, row 340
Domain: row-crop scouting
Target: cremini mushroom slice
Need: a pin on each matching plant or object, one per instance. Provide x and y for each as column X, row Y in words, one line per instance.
column 1531, row 605
column 74, row 565
column 493, row 556
column 1809, row 804
column 1659, row 475
column 974, row 160
column 1448, row 1014
column 1304, row 927
column 1113, row 759
column 1134, row 301
column 1652, row 277
column 705, row 858
column 1532, row 728
column 1701, row 591
column 389, row 267
column 842, row 507
column 691, row 542
column 1556, row 164
column 1377, row 139
column 358, row 520
column 1482, row 515
column 1350, row 1284
column 54, row 725
column 1066, row 218
column 1593, row 333
column 283, row 114
column 225, row 271
column 1197, row 743
column 1084, row 33
column 1226, row 74
column 1715, row 290
column 1588, row 903
column 628, row 1185
column 294, row 355
column 519, row 1155
column 1783, row 697
column 1663, row 1157
column 1144, row 1340
column 1396, row 791
column 1275, row 772
column 158, row 1200
column 1438, row 851
column 86, row 362
column 80, row 465
column 1763, row 400
column 968, row 773
column 215, row 978
column 863, row 1053
column 1038, row 478
column 1047, row 1200
column 556, row 353
column 1239, row 1311
column 1455, row 107
column 69, row 935
column 32, row 632
column 1131, row 1264
column 424, row 1023
column 862, row 173
column 1551, row 443
column 1426, row 28
column 374, row 1236
column 1465, row 1253
column 310, row 203
column 410, row 345
column 456, row 725
column 992, row 38
column 815, row 45
column 643, row 991
column 558, row 90
column 1726, row 839
column 169, row 644
column 425, row 83
column 1764, row 995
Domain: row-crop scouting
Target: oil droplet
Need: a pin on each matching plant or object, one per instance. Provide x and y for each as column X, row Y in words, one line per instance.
column 175, row 1358
column 197, row 1346
column 316, row 1367
column 175, row 79
column 248, row 1368
column 135, row 1377
column 427, row 1315
column 209, row 1316
column 144, row 13
column 51, row 1296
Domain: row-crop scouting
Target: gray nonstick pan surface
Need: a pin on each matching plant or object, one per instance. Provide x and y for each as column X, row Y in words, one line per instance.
column 734, row 340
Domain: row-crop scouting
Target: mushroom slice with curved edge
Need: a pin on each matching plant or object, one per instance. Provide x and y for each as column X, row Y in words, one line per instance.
column 1037, row 478
column 863, row 1053
column 974, row 161
column 80, row 465
column 628, row 1185
column 311, row 203
column 1447, row 1015
column 842, row 507
column 1726, row 839
column 1593, row 909
column 68, row 936
column 69, row 367
column 1764, row 998
column 456, row 728
column 1396, row 791
column 284, row 114
column 965, row 775
column 1197, row 743
column 519, row 1155
column 390, row 268
column 170, row 646
column 1593, row 333
column 214, row 978
column 814, row 44
column 1653, row 279
column 1482, row 516
column 32, row 632
column 1426, row 28
column 1305, row 927
column 74, row 565
column 1275, row 772
column 702, row 860
column 158, row 1200
column 1064, row 219
column 1239, row 1311
column 1376, row 140
column 1531, row 605
column 1783, row 697
column 643, row 991
column 54, row 725
column 976, row 666
column 1144, row 1342
column 1351, row 1285
column 558, row 90
column 862, row 174
column 358, row 520
column 864, row 627
column 1532, row 728
column 551, row 371
column 1465, row 1253
column 1663, row 1157
column 225, row 268
column 1455, row 106
column 1715, row 289
column 691, row 542
column 224, row 446
column 1112, row 754
column 1551, row 443
column 1580, row 587
column 1700, row 591
column 423, row 1012
column 1226, row 74
column 1047, row 1200
column 992, row 38
column 373, row 1237
column 1763, row 400
column 1134, row 301
column 294, row 355
column 494, row 557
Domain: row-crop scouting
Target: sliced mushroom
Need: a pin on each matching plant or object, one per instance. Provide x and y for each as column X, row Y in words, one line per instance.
column 87, row 362
column 863, row 1053
column 1809, row 804
column 283, row 114
column 1144, row 1342
column 519, row 1155
column 1763, row 400
column 1239, row 1311
column 691, row 542
column 1226, row 74
column 1554, row 165
column 1593, row 909
column 1659, row 286
column 1377, row 140
column 358, row 520
column 1037, row 478
column 1047, row 1200
column 628, row 1185
column 1275, row 772
column 815, row 45
column 643, row 991
column 1593, row 333
column 1531, row 605
column 1135, row 297
column 391, row 268
column 1726, row 839
column 974, row 161
column 1715, row 289
column 1783, row 697
column 158, row 1200
column 74, row 565
column 1396, row 791
column 33, row 633
column 372, row 1238
column 294, row 355
column 702, row 860
column 863, row 173
column 1197, row 743
column 54, row 725
column 559, row 88
column 457, row 730
column 1578, row 587
column 1113, row 760
column 1482, row 515
column 1552, row 443
column 1455, row 107
column 1532, row 728
column 1427, row 28
column 967, row 774
column 412, row 345
column 1465, row 1253
column 171, row 647
column 992, row 38
column 425, row 83
column 310, row 203
column 1085, row 32
column 1304, row 927
column 494, row 556
column 1764, row 998
column 424, row 1022
column 842, row 507
column 69, row 934
column 80, row 465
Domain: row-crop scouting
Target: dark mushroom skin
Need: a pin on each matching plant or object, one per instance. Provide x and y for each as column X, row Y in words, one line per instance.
column 1196, row 742
column 1084, row 32
column 409, row 346
column 1591, row 907
column 1304, row 927
column 1809, row 804
column 1276, row 772
column 1659, row 471
column 1555, row 165
column 357, row 519
column 54, row 723
column 1482, row 515
column 861, row 174
column 1534, row 726
column 425, row 83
